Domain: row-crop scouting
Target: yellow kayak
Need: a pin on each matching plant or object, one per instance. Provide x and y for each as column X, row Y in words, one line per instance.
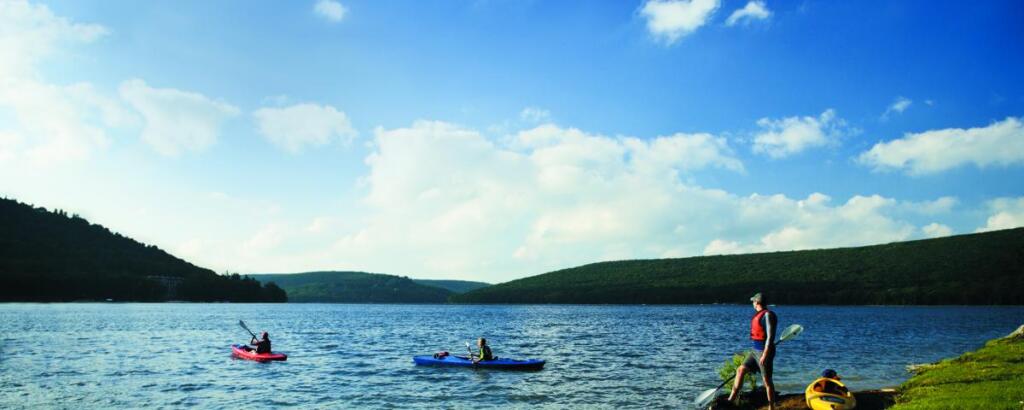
column 829, row 394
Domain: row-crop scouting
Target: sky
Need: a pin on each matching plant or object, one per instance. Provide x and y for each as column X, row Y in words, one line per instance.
column 492, row 140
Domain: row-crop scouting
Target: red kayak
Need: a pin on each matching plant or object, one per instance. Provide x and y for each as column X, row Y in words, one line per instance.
column 247, row 353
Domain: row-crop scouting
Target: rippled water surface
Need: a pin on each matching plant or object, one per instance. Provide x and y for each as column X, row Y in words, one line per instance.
column 136, row 355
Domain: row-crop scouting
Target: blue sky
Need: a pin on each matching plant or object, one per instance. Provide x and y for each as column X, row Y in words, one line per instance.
column 492, row 140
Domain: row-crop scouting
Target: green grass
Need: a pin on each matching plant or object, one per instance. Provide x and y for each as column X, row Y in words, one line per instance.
column 989, row 378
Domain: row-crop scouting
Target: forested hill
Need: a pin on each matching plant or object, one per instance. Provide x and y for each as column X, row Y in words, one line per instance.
column 985, row 268
column 49, row 256
column 354, row 287
column 457, row 286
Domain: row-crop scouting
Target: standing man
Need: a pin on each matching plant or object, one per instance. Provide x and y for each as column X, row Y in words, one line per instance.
column 762, row 333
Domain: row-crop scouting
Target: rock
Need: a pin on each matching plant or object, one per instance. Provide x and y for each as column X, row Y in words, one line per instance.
column 918, row 368
column 1017, row 334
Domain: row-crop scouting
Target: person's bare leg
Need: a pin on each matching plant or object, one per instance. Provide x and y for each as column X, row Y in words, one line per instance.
column 769, row 388
column 740, row 371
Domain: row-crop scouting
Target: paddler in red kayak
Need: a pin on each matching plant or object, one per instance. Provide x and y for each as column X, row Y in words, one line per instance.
column 262, row 345
column 762, row 334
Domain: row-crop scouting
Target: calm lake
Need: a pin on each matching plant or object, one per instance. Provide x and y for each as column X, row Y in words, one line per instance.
column 343, row 356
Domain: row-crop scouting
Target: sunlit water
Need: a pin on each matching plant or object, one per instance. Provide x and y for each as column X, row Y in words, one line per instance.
column 342, row 356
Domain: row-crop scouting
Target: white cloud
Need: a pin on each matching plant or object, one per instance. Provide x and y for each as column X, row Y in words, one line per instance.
column 453, row 203
column 898, row 105
column 813, row 223
column 936, row 230
column 321, row 224
column 671, row 20
column 938, row 206
column 930, row 152
column 176, row 120
column 51, row 123
column 684, row 152
column 535, row 115
column 57, row 123
column 330, row 10
column 754, row 10
column 301, row 125
column 451, row 200
column 29, row 33
column 781, row 138
column 1005, row 213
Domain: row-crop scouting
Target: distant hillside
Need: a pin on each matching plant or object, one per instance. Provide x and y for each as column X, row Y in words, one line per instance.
column 50, row 256
column 354, row 287
column 983, row 269
column 456, row 286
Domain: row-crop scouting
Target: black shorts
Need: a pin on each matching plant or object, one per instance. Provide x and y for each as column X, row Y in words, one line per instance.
column 753, row 363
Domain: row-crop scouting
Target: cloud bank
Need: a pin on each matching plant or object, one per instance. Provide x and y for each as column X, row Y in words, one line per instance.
column 935, row 151
column 455, row 203
column 1005, row 213
column 52, row 123
column 176, row 120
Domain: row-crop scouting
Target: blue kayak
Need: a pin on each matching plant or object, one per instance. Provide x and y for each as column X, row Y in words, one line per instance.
column 462, row 361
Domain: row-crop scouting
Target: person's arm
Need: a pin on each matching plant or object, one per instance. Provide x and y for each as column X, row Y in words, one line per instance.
column 254, row 342
column 769, row 341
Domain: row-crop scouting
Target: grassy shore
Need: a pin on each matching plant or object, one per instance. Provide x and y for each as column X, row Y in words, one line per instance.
column 988, row 378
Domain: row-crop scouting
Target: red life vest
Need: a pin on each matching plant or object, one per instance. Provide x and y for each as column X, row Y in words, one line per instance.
column 757, row 331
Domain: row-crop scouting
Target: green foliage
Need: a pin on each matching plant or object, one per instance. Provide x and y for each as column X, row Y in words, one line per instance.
column 989, row 378
column 728, row 369
column 456, row 286
column 354, row 287
column 985, row 268
column 49, row 257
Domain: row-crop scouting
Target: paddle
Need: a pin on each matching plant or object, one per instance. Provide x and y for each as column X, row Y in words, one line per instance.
column 242, row 324
column 705, row 398
column 470, row 350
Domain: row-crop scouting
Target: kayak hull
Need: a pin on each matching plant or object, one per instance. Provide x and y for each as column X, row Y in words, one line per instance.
column 240, row 352
column 462, row 361
column 829, row 394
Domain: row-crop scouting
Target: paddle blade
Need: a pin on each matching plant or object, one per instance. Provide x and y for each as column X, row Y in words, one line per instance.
column 791, row 332
column 704, row 399
column 242, row 324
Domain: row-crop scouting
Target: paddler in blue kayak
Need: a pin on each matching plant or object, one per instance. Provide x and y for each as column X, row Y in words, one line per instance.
column 762, row 334
column 263, row 344
column 485, row 352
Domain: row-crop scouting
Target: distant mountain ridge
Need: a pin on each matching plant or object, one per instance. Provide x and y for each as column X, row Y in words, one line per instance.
column 456, row 286
column 983, row 268
column 354, row 287
column 49, row 256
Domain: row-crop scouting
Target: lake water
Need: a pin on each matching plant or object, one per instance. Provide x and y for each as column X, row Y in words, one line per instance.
column 343, row 356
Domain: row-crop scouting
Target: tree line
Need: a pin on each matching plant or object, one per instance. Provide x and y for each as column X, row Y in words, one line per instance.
column 51, row 256
column 976, row 269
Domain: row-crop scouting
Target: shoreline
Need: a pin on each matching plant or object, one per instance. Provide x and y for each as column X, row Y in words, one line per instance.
column 984, row 378
column 478, row 304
